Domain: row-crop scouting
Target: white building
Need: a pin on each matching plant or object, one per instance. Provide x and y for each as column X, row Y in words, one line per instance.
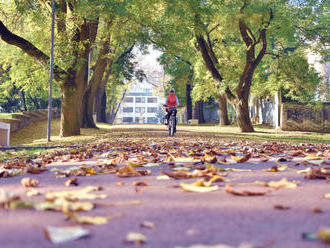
column 140, row 105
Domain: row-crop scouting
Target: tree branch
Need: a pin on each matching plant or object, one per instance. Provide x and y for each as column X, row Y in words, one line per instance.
column 212, row 29
column 29, row 49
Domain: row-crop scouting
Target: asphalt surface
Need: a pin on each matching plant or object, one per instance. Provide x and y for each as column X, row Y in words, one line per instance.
column 181, row 219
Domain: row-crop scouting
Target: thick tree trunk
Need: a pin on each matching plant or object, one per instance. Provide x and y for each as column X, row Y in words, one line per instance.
column 243, row 116
column 70, row 111
column 188, row 101
column 223, row 112
column 198, row 112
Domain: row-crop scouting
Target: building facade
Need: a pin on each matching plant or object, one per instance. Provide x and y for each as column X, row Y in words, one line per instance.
column 140, row 105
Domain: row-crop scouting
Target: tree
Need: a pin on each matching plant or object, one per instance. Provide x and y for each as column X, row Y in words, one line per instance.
column 77, row 29
column 234, row 37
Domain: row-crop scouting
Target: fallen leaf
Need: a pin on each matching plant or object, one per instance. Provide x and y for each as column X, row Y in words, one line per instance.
column 61, row 204
column 281, row 207
column 71, row 181
column 327, row 195
column 32, row 192
column 283, row 183
column 29, row 182
column 163, row 177
column 182, row 174
column 209, row 158
column 241, row 159
column 10, row 172
column 141, row 183
column 324, row 235
column 82, row 194
column 198, row 187
column 36, row 169
column 129, row 171
column 59, row 235
column 120, row 184
column 136, row 238
column 229, row 189
column 317, row 210
column 318, row 173
column 97, row 220
column 20, row 204
column 147, row 224
column 6, row 198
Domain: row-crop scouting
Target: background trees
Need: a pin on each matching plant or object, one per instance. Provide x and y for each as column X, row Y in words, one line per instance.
column 221, row 49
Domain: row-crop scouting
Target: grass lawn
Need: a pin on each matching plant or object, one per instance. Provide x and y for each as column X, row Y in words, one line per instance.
column 35, row 133
column 5, row 115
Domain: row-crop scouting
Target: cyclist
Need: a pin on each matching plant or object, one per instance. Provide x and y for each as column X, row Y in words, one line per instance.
column 171, row 101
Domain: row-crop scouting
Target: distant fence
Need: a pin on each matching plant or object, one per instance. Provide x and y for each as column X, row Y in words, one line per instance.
column 20, row 120
column 300, row 117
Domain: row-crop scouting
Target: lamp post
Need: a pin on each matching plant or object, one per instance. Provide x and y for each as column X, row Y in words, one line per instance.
column 51, row 73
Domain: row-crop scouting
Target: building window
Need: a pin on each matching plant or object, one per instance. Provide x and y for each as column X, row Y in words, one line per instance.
column 140, row 99
column 152, row 100
column 140, row 110
column 139, row 119
column 128, row 119
column 152, row 110
column 129, row 99
column 128, row 110
column 152, row 120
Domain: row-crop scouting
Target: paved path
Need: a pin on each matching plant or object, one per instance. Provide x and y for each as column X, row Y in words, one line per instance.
column 181, row 219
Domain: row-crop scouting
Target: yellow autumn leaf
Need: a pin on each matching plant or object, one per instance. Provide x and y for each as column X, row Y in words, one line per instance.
column 283, row 183
column 324, row 234
column 241, row 159
column 97, row 220
column 135, row 237
column 134, row 164
column 82, row 194
column 327, row 195
column 198, row 187
column 60, row 203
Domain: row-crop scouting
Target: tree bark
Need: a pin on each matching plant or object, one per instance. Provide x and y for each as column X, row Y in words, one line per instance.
column 198, row 112
column 70, row 116
column 188, row 101
column 223, row 111
column 243, row 116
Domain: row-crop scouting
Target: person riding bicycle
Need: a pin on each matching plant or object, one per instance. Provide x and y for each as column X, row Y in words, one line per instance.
column 171, row 101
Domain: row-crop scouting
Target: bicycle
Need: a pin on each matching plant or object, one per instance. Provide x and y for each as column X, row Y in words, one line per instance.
column 172, row 121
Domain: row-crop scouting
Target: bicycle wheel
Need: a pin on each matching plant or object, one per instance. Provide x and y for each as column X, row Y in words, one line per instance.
column 171, row 127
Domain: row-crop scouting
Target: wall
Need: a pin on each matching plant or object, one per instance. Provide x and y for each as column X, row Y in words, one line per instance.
column 21, row 120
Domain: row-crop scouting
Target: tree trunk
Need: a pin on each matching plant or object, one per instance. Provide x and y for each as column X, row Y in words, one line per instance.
column 103, row 115
column 189, row 101
column 198, row 112
column 24, row 100
column 223, row 112
column 243, row 116
column 88, row 110
column 100, row 104
column 70, row 111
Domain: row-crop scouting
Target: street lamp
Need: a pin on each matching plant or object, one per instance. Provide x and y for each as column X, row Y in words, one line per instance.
column 51, row 73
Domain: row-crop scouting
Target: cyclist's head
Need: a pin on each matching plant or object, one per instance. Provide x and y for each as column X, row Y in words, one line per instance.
column 172, row 90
